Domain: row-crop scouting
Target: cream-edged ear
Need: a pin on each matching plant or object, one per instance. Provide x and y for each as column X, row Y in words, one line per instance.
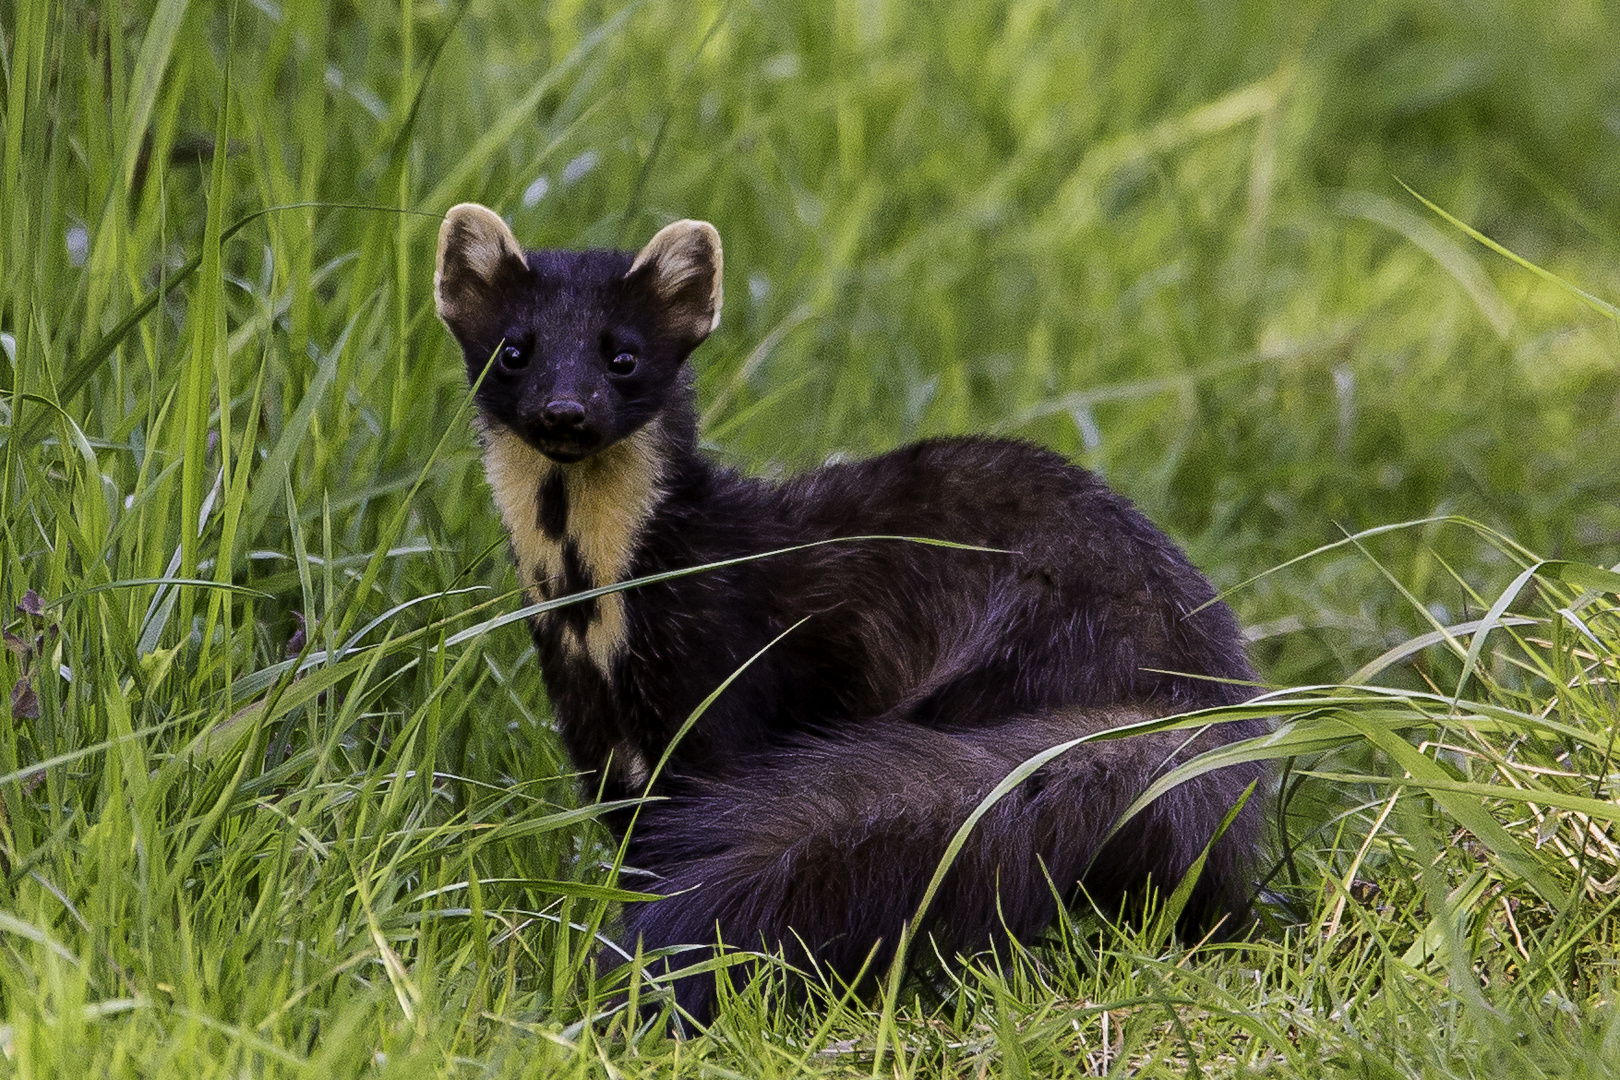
column 683, row 265
column 476, row 250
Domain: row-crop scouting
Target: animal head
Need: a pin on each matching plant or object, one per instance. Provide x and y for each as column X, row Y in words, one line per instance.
column 574, row 350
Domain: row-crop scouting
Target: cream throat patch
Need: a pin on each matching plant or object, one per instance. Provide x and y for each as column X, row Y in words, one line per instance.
column 575, row 527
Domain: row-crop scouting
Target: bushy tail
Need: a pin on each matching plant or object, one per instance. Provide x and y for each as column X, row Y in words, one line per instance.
column 825, row 847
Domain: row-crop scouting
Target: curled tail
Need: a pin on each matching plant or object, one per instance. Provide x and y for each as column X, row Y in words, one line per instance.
column 825, row 847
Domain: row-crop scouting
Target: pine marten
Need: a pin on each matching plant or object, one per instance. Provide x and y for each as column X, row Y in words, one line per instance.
column 808, row 807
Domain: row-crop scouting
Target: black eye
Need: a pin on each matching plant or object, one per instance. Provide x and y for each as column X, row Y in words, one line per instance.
column 623, row 363
column 514, row 357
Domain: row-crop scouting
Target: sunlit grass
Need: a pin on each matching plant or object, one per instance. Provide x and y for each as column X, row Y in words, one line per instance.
column 278, row 793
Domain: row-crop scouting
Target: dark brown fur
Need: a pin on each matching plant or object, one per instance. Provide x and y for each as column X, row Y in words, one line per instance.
column 812, row 801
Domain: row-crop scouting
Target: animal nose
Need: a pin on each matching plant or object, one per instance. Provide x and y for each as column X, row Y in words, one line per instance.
column 564, row 413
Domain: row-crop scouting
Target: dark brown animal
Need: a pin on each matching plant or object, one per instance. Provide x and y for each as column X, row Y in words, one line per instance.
column 809, row 805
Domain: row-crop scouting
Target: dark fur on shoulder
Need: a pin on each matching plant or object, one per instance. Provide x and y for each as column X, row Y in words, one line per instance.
column 813, row 799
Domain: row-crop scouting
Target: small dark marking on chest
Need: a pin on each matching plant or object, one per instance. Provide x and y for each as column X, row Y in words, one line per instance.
column 551, row 505
column 576, row 579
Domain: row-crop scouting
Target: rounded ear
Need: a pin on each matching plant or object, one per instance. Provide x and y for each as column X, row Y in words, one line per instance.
column 682, row 264
column 477, row 255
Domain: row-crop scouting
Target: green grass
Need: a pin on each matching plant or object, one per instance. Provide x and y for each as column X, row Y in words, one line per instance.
column 278, row 792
